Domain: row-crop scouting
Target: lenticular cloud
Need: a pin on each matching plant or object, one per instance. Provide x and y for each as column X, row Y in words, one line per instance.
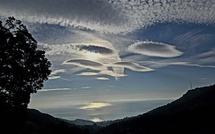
column 96, row 49
column 154, row 49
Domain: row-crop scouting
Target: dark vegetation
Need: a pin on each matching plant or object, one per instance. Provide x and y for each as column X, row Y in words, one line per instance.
column 40, row 123
column 193, row 113
column 24, row 68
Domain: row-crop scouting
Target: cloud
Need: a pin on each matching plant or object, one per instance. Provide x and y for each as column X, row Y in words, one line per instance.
column 164, row 63
column 58, row 71
column 195, row 38
column 101, row 50
column 95, row 105
column 93, row 54
column 206, row 57
column 54, row 89
column 85, row 64
column 148, row 12
column 199, row 65
column 154, row 49
column 59, row 49
column 210, row 53
column 109, row 15
column 86, row 87
column 133, row 66
column 96, row 49
column 65, row 79
column 96, row 15
column 159, row 64
column 102, row 78
column 104, row 72
column 116, row 75
column 54, row 77
column 88, row 73
column 58, row 77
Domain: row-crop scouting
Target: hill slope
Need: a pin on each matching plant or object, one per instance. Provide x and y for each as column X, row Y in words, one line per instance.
column 193, row 113
column 40, row 123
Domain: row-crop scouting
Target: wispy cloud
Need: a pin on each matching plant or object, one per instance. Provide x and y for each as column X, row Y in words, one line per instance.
column 116, row 75
column 58, row 71
column 156, row 49
column 95, row 105
column 54, row 77
column 102, row 78
column 133, row 66
column 88, row 73
column 54, row 89
column 86, row 87
column 206, row 57
column 195, row 38
column 104, row 72
column 86, row 64
column 199, row 65
column 107, row 15
column 159, row 64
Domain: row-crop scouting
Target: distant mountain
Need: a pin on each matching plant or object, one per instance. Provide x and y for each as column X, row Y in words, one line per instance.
column 193, row 113
column 81, row 122
column 41, row 123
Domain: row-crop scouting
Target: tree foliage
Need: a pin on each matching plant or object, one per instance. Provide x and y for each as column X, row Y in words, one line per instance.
column 23, row 68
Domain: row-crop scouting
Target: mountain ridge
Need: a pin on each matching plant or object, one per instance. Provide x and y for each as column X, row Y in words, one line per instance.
column 184, row 115
column 190, row 114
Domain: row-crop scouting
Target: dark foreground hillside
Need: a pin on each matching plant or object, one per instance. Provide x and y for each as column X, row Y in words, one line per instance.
column 193, row 113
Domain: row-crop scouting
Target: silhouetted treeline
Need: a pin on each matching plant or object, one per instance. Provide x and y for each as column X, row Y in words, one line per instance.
column 40, row 123
column 23, row 69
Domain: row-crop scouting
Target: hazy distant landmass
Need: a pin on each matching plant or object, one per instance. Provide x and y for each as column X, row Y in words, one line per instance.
column 193, row 113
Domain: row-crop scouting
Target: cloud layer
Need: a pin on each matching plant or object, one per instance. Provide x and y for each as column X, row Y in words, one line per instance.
column 110, row 16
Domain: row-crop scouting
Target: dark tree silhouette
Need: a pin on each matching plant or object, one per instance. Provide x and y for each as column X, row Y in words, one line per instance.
column 23, row 68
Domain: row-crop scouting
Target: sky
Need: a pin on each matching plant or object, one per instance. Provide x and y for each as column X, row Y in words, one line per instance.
column 118, row 58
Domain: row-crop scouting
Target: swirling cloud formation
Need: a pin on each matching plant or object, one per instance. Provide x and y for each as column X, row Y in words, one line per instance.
column 110, row 16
